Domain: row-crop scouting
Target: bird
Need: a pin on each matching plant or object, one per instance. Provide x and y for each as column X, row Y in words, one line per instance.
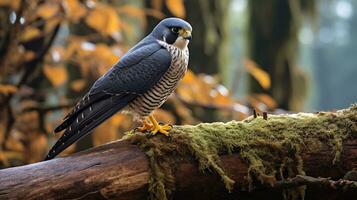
column 140, row 82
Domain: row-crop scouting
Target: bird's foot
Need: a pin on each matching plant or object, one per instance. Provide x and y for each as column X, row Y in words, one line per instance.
column 146, row 127
column 164, row 129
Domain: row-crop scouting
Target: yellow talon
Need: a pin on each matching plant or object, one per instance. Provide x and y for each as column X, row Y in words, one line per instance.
column 146, row 126
column 157, row 128
column 164, row 129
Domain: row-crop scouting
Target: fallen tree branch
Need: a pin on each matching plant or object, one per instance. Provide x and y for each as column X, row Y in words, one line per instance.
column 299, row 180
column 205, row 161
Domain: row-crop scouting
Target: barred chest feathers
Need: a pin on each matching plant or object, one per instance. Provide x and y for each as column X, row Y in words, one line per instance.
column 156, row 96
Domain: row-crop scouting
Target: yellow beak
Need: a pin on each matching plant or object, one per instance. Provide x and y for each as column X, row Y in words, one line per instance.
column 186, row 34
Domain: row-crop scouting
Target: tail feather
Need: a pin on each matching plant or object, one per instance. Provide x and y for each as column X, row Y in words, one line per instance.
column 87, row 120
column 85, row 102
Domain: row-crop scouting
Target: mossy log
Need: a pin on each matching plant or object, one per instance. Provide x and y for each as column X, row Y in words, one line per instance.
column 247, row 160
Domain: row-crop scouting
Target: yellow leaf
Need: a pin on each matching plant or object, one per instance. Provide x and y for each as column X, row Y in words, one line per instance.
column 78, row 85
column 30, row 33
column 260, row 75
column 74, row 10
column 57, row 75
column 103, row 19
column 47, row 10
column 176, row 7
column 8, row 89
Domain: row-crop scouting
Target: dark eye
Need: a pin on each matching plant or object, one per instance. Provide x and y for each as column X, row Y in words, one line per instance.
column 175, row 29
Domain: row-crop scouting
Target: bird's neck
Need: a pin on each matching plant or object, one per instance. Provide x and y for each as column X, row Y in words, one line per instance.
column 180, row 45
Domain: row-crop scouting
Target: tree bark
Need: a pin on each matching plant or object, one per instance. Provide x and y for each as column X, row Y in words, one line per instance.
column 113, row 171
column 122, row 170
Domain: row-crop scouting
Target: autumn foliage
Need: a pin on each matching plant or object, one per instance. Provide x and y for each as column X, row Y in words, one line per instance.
column 52, row 51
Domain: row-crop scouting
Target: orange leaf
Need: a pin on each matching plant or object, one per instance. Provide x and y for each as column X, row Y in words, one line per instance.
column 260, row 75
column 47, row 10
column 8, row 89
column 132, row 11
column 78, row 85
column 103, row 19
column 189, row 77
column 30, row 33
column 57, row 75
column 221, row 100
column 74, row 10
column 52, row 23
column 176, row 7
column 14, row 4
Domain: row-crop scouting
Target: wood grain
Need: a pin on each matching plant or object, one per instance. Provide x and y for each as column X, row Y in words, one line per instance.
column 120, row 170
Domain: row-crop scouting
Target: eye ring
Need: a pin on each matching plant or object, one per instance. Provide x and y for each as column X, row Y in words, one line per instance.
column 175, row 29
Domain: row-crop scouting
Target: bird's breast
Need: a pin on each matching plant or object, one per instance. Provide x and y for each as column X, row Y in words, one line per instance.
column 159, row 93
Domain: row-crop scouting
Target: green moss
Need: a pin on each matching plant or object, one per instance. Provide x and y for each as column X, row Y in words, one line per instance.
column 270, row 147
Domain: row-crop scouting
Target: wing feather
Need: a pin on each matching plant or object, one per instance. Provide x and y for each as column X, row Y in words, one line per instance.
column 133, row 75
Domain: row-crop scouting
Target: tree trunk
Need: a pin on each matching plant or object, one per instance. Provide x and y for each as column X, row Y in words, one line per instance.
column 273, row 44
column 320, row 145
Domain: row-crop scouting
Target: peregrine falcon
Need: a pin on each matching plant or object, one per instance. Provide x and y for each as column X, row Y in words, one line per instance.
column 139, row 83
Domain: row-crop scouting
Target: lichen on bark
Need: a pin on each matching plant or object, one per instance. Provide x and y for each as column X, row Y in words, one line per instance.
column 271, row 148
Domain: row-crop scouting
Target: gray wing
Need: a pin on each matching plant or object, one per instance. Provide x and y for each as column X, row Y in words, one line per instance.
column 134, row 74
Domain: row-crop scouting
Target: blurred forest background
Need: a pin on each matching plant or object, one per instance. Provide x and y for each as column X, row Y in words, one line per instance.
column 272, row 55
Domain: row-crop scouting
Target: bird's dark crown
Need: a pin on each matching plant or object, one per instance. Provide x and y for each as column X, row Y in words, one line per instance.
column 174, row 22
column 164, row 29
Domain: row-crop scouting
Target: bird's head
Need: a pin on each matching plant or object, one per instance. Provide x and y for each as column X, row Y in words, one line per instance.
column 173, row 31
